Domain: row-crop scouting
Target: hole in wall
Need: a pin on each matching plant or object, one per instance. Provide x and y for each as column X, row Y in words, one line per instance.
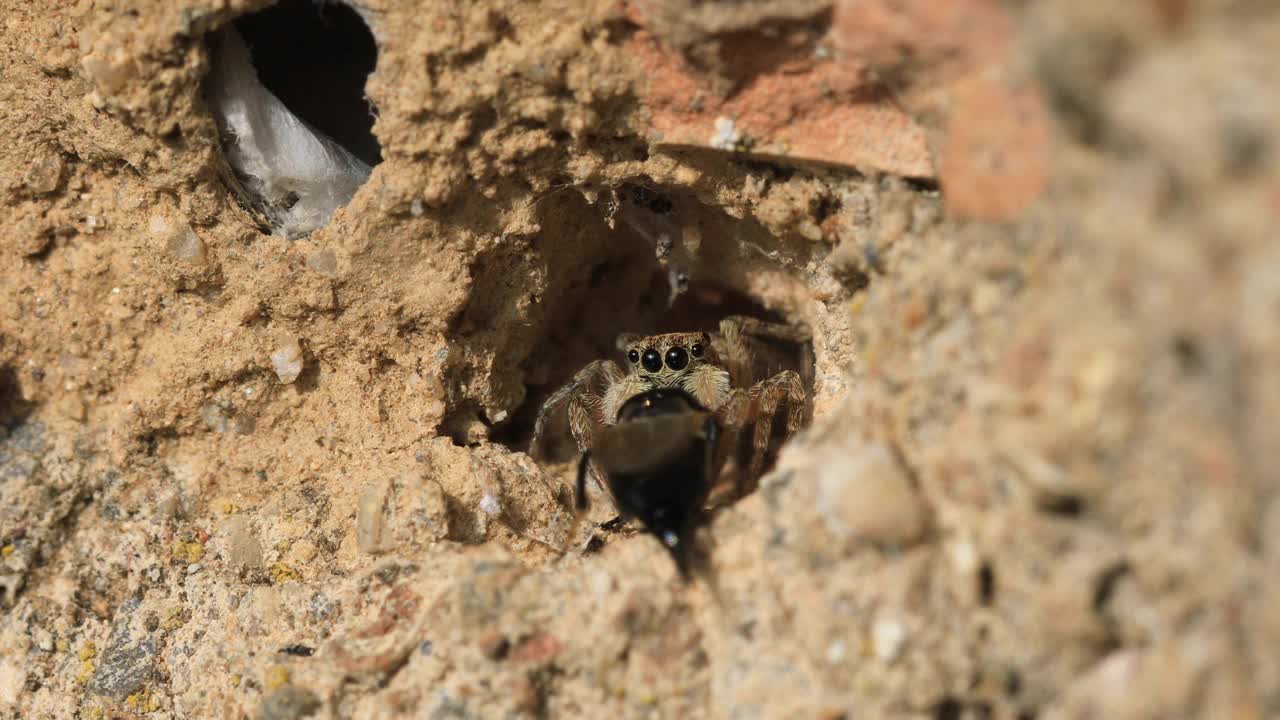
column 316, row 57
column 986, row 584
column 633, row 279
column 287, row 90
column 14, row 409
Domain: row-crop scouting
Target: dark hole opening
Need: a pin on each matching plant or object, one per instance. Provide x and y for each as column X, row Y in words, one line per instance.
column 315, row 57
column 14, row 410
column 986, row 584
column 1062, row 505
column 948, row 709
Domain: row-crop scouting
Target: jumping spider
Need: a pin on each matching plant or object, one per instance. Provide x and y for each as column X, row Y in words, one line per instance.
column 715, row 370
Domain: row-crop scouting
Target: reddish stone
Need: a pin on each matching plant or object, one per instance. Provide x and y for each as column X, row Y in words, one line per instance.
column 995, row 153
column 797, row 105
column 942, row 40
column 955, row 62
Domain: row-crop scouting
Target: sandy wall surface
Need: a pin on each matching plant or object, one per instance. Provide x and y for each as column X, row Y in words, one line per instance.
column 1034, row 244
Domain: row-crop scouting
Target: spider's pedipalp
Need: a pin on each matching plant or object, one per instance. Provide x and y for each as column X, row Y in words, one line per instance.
column 708, row 384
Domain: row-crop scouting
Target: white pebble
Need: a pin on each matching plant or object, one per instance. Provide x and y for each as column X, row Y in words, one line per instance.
column 836, row 652
column 287, row 360
column 887, row 636
column 964, row 556
column 179, row 239
column 726, row 136
column 864, row 495
column 490, row 505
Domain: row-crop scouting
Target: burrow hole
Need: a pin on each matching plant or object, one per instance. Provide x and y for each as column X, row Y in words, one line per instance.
column 622, row 287
column 14, row 409
column 314, row 59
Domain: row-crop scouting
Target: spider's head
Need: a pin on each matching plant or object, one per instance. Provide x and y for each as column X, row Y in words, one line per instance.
column 665, row 360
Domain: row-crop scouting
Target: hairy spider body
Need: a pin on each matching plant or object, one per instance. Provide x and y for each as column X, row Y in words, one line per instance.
column 658, row 460
column 715, row 371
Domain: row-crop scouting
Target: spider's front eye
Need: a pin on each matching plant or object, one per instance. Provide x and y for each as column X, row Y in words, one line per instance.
column 651, row 360
column 696, row 350
column 633, row 356
column 677, row 358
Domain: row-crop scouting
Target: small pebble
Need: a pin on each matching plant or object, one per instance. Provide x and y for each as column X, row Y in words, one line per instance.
column 836, row 652
column 371, row 520
column 887, row 636
column 33, row 235
column 45, row 174
column 179, row 239
column 323, row 262
column 287, row 360
column 866, row 496
column 726, row 136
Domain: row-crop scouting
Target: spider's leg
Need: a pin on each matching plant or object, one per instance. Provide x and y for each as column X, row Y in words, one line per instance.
column 583, row 419
column 582, row 383
column 734, row 343
column 755, row 327
column 768, row 394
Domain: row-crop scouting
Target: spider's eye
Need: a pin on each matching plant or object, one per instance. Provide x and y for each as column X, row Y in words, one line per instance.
column 677, row 358
column 633, row 356
column 696, row 350
column 651, row 360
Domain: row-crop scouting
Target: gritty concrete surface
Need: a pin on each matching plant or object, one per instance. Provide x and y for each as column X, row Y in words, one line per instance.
column 249, row 477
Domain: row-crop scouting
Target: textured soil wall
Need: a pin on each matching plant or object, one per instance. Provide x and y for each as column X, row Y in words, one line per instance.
column 1034, row 244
